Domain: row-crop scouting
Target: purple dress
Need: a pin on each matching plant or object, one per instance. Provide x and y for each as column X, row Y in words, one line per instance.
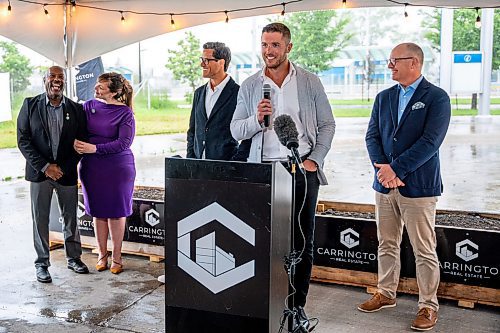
column 108, row 175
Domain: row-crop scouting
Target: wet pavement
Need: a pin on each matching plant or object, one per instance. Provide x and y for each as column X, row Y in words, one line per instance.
column 134, row 301
column 470, row 157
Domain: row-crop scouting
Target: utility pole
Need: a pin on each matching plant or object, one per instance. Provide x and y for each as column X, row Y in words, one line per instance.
column 140, row 63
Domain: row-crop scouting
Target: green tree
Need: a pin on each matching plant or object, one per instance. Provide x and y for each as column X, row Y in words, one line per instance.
column 317, row 38
column 184, row 62
column 16, row 64
column 466, row 37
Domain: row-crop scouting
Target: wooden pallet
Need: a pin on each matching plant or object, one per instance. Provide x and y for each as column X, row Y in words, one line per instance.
column 467, row 296
column 155, row 253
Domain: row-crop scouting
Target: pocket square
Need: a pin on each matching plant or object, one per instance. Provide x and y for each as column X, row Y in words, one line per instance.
column 418, row 105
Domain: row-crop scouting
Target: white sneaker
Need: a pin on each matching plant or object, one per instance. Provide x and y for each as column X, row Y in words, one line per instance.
column 161, row 278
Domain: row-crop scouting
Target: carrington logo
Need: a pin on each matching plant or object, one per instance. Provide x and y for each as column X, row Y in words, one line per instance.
column 214, row 268
column 467, row 250
column 152, row 217
column 80, row 210
column 349, row 238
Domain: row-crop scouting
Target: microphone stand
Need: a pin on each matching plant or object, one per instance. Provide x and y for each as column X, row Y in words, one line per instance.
column 291, row 261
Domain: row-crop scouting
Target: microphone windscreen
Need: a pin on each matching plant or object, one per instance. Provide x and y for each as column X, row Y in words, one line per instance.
column 287, row 133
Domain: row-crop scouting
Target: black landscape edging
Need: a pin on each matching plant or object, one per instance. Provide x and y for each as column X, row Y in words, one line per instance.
column 146, row 224
column 467, row 256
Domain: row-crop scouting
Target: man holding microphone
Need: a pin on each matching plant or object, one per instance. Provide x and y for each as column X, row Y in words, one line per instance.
column 299, row 94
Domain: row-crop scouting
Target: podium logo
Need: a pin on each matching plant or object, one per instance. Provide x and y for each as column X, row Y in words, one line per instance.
column 349, row 238
column 467, row 250
column 214, row 268
column 152, row 217
column 80, row 211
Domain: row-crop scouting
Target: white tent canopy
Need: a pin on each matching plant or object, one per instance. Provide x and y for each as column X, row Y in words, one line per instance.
column 71, row 37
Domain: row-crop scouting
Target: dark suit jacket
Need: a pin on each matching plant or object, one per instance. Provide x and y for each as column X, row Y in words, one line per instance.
column 213, row 135
column 412, row 147
column 33, row 139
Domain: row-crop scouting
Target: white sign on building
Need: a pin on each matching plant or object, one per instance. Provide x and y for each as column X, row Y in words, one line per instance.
column 466, row 69
column 5, row 107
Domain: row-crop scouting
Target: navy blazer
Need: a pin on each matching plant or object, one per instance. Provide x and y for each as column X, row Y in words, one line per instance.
column 412, row 147
column 33, row 139
column 212, row 134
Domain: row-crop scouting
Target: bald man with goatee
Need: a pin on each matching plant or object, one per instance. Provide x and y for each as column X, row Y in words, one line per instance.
column 47, row 126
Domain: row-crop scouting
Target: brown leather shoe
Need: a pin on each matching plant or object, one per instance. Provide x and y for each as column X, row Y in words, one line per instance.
column 376, row 303
column 426, row 320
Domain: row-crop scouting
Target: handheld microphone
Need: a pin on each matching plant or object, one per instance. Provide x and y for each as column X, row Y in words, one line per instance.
column 266, row 94
column 287, row 133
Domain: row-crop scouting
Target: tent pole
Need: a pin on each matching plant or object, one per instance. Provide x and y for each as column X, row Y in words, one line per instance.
column 487, row 22
column 68, row 55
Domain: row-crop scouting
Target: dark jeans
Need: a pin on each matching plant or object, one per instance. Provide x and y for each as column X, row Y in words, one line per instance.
column 307, row 220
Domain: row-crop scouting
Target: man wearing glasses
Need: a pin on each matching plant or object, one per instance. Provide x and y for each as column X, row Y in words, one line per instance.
column 408, row 124
column 208, row 136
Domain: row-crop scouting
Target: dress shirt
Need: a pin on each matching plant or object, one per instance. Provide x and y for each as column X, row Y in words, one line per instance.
column 284, row 100
column 55, row 123
column 405, row 96
column 212, row 96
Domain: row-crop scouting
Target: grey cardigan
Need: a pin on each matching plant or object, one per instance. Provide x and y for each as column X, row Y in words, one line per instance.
column 315, row 114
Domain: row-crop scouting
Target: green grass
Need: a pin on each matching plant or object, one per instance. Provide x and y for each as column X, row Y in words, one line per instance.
column 468, row 101
column 365, row 112
column 340, row 102
column 8, row 134
column 334, row 102
column 172, row 120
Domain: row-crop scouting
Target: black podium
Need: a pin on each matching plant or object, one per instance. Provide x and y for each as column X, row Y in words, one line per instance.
column 227, row 231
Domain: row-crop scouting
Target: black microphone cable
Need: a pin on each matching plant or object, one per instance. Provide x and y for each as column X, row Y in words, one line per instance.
column 288, row 136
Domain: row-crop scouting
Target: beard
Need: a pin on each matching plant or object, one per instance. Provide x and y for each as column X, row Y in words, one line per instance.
column 55, row 93
column 276, row 62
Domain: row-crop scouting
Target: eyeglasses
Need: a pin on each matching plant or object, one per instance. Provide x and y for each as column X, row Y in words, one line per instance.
column 206, row 61
column 393, row 61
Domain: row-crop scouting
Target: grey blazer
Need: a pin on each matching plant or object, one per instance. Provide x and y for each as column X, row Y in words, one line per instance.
column 314, row 110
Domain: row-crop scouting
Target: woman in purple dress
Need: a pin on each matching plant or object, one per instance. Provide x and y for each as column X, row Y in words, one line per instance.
column 107, row 169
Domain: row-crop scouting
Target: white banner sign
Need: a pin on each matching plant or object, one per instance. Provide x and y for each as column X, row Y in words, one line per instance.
column 5, row 107
column 466, row 72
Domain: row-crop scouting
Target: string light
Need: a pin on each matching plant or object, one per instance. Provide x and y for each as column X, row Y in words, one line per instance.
column 46, row 11
column 122, row 18
column 9, row 9
column 243, row 9
column 172, row 22
column 478, row 19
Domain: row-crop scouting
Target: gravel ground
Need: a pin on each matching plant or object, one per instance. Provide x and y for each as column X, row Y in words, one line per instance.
column 466, row 220
column 149, row 193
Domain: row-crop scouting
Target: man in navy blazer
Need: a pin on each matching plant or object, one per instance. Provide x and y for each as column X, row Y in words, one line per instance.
column 209, row 136
column 408, row 124
column 47, row 126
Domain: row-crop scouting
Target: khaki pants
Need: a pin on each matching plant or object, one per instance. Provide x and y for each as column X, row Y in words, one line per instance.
column 418, row 215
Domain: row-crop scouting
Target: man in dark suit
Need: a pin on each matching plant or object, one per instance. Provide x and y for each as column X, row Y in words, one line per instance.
column 408, row 125
column 209, row 136
column 47, row 126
